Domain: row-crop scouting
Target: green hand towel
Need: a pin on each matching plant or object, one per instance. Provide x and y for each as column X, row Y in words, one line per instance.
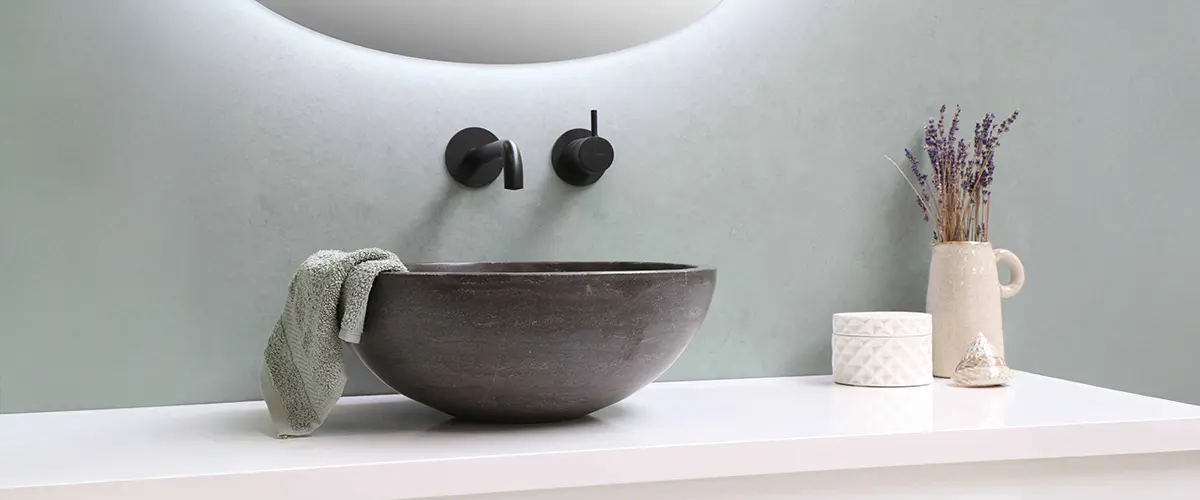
column 302, row 375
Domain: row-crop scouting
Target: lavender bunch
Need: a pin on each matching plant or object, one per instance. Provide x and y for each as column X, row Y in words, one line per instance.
column 956, row 193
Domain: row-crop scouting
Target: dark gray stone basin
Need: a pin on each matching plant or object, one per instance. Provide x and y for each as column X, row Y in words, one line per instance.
column 529, row 342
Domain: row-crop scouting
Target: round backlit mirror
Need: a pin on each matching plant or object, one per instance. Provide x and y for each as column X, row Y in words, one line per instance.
column 494, row 31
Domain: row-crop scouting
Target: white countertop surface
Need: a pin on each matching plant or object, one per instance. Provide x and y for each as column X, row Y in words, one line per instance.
column 387, row 447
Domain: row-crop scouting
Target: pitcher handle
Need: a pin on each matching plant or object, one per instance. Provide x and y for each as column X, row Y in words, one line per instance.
column 1016, row 271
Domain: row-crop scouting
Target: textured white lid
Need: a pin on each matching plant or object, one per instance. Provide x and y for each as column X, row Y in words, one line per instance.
column 883, row 324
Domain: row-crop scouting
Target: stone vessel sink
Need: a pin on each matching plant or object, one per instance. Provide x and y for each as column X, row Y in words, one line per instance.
column 530, row 342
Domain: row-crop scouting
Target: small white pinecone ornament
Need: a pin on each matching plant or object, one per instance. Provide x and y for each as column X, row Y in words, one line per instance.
column 981, row 366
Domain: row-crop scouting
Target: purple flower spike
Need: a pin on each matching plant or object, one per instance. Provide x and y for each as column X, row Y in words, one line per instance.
column 956, row 191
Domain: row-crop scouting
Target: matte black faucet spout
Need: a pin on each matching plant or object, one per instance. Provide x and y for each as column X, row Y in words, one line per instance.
column 476, row 157
column 506, row 150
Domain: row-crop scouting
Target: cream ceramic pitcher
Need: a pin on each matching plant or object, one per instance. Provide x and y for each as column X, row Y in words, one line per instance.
column 964, row 298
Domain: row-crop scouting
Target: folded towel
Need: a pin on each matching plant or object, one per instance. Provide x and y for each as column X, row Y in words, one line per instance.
column 302, row 375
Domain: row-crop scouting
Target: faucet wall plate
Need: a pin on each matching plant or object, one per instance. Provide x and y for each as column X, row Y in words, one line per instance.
column 580, row 157
column 460, row 146
column 566, row 171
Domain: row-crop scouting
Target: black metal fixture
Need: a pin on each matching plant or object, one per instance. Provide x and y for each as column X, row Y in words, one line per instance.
column 581, row 156
column 475, row 157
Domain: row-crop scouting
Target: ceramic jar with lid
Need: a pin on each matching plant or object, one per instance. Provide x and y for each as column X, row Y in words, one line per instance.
column 883, row 349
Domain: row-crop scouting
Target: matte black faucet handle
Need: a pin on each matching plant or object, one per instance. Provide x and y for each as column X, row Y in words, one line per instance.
column 580, row 156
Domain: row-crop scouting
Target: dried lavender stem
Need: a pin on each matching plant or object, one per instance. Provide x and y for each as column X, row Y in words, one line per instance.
column 987, row 216
column 978, row 203
column 914, row 189
column 958, row 192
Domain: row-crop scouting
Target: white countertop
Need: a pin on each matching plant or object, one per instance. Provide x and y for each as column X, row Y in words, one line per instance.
column 387, row 447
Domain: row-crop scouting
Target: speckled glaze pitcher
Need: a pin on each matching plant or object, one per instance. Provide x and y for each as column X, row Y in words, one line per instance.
column 964, row 298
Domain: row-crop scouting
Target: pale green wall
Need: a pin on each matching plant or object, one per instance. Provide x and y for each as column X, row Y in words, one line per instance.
column 168, row 163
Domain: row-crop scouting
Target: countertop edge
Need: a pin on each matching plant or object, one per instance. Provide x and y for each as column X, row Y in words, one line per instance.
column 543, row 471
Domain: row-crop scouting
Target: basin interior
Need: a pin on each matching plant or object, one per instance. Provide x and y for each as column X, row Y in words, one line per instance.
column 545, row 267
